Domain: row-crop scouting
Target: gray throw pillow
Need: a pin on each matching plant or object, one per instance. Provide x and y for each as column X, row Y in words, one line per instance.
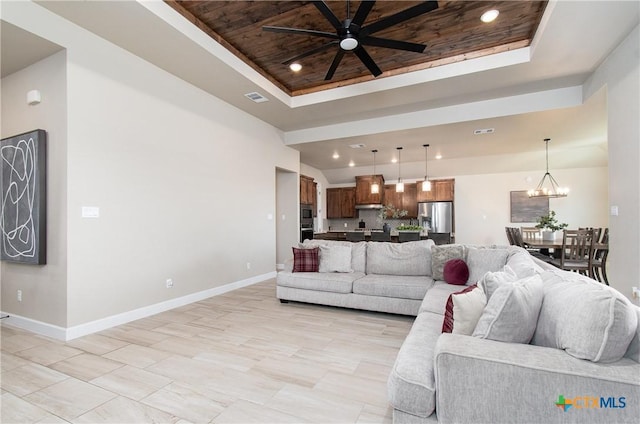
column 512, row 312
column 492, row 280
column 440, row 255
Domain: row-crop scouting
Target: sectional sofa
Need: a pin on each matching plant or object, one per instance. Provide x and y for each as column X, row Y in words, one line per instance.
column 547, row 345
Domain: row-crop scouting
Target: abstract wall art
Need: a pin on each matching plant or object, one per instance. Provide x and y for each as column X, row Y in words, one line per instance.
column 527, row 209
column 23, row 161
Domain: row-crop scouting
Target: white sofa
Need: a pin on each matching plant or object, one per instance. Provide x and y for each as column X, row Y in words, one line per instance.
column 585, row 345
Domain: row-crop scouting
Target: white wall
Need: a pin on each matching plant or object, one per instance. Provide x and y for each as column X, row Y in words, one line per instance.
column 287, row 214
column 482, row 202
column 44, row 287
column 182, row 179
column 620, row 74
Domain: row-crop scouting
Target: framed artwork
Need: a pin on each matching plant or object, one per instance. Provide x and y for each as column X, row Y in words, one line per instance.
column 23, row 207
column 527, row 209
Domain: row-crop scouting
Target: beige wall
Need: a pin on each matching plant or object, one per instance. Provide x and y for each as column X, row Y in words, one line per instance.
column 620, row 76
column 44, row 287
column 184, row 182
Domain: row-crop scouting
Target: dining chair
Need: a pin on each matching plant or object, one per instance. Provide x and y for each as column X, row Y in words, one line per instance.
column 530, row 233
column 408, row 236
column 577, row 252
column 509, row 231
column 355, row 236
column 600, row 254
column 516, row 237
column 380, row 236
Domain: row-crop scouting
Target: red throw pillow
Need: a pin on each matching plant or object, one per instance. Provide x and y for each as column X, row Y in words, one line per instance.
column 305, row 260
column 456, row 272
column 447, row 324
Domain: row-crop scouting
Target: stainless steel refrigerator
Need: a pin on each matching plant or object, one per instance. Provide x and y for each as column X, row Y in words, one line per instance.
column 436, row 217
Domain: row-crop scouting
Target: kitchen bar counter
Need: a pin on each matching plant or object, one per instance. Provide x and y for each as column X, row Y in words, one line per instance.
column 342, row 235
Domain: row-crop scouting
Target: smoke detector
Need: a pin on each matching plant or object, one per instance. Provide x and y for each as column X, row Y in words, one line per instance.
column 357, row 146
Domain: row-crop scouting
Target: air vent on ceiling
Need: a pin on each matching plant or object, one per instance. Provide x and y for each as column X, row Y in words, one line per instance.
column 256, row 97
column 357, row 146
column 484, row 131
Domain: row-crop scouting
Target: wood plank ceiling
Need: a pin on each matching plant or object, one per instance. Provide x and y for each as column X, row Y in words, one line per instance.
column 453, row 32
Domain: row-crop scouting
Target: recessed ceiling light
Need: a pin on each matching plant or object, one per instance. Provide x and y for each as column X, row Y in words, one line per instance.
column 336, row 155
column 295, row 67
column 394, row 160
column 489, row 16
column 351, row 163
column 438, row 156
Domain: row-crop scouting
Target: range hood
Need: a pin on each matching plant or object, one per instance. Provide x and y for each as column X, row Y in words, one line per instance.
column 370, row 206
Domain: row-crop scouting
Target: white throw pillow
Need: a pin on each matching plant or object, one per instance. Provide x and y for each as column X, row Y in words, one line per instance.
column 335, row 259
column 511, row 314
column 492, row 280
column 467, row 310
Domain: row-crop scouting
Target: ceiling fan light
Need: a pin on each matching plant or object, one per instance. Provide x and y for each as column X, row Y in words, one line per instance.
column 348, row 43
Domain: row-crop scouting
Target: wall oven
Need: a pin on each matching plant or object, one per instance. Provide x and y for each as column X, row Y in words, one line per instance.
column 306, row 222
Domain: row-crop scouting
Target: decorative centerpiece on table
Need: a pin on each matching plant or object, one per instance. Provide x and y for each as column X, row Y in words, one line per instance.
column 390, row 212
column 549, row 225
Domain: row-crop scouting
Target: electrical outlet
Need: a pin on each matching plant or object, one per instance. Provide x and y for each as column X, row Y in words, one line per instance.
column 19, row 295
column 636, row 292
column 248, row 265
column 345, row 225
column 169, row 283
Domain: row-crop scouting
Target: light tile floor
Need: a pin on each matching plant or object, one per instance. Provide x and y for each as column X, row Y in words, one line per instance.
column 242, row 357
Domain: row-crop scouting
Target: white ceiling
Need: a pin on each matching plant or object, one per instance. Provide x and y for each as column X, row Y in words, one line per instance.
column 526, row 95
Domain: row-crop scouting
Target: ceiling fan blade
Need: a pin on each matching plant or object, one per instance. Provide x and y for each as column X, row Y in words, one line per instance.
column 300, row 31
column 327, row 13
column 309, row 52
column 368, row 62
column 393, row 44
column 362, row 13
column 402, row 16
column 334, row 65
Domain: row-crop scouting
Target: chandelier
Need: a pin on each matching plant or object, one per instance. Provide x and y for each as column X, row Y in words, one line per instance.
column 548, row 186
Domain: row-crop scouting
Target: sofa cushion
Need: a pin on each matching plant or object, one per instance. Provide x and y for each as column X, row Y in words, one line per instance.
column 585, row 318
column 522, row 263
column 441, row 254
column 335, row 258
column 305, row 260
column 436, row 299
column 456, row 272
column 400, row 286
column 358, row 251
column 481, row 261
column 411, row 386
column 321, row 281
column 463, row 310
column 512, row 312
column 410, row 258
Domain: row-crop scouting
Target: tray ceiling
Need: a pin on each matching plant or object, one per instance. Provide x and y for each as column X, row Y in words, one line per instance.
column 453, row 32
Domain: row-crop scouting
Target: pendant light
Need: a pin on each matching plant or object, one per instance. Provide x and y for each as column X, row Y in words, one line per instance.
column 399, row 184
column 549, row 188
column 426, row 184
column 375, row 187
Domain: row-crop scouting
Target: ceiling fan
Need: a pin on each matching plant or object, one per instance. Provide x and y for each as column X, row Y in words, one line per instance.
column 351, row 35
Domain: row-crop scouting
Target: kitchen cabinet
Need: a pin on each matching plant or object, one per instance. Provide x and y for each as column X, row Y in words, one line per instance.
column 406, row 200
column 341, row 202
column 314, row 200
column 363, row 190
column 307, row 193
column 441, row 191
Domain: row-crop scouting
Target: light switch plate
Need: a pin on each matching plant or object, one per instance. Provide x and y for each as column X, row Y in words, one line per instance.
column 90, row 212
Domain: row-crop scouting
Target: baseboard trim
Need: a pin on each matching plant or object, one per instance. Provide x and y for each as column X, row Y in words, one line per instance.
column 70, row 333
